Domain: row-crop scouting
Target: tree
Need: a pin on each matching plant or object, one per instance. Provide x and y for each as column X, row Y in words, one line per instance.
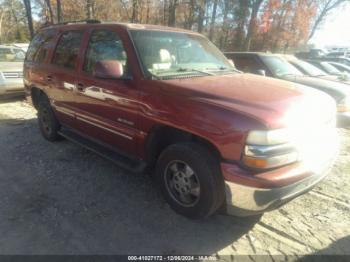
column 49, row 7
column 325, row 7
column 172, row 12
column 59, row 12
column 134, row 11
column 241, row 13
column 213, row 17
column 255, row 7
column 201, row 14
column 29, row 17
column 90, row 9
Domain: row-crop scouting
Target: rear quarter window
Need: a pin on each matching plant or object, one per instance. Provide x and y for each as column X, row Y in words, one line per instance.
column 67, row 49
column 38, row 48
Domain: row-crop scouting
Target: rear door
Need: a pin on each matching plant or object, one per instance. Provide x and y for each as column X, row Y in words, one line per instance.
column 35, row 65
column 62, row 75
column 107, row 109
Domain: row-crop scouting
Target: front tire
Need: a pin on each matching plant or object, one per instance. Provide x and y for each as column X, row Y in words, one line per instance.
column 48, row 123
column 190, row 180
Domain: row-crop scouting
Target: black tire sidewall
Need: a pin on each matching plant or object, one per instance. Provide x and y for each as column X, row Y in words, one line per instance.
column 207, row 171
column 45, row 107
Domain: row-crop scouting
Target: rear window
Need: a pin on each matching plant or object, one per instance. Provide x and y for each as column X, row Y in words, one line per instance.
column 67, row 49
column 38, row 48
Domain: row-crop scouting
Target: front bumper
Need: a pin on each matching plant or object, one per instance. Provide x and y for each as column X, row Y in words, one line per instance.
column 343, row 119
column 246, row 201
column 250, row 194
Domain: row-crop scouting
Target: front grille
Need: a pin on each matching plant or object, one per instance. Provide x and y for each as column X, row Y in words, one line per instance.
column 16, row 74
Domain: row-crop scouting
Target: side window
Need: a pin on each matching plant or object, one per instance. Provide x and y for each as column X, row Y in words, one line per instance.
column 33, row 47
column 248, row 64
column 104, row 45
column 67, row 49
column 38, row 47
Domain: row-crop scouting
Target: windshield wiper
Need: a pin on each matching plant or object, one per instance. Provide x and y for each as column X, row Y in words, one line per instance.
column 289, row 74
column 182, row 69
column 223, row 68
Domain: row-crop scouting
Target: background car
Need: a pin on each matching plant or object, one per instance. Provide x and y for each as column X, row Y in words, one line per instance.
column 342, row 60
column 11, row 70
column 23, row 46
column 311, row 70
column 341, row 67
column 274, row 65
column 325, row 66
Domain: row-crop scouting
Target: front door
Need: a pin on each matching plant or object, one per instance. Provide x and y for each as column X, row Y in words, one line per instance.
column 107, row 108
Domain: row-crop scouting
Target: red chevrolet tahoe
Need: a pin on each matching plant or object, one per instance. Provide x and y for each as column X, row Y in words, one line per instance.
column 167, row 101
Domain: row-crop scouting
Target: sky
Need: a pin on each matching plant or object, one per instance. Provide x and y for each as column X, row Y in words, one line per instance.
column 335, row 30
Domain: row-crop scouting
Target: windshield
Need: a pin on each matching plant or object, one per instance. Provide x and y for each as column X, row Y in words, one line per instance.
column 309, row 68
column 280, row 67
column 11, row 55
column 173, row 54
column 329, row 68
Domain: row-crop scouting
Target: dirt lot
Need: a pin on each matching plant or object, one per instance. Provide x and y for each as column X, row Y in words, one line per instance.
column 58, row 198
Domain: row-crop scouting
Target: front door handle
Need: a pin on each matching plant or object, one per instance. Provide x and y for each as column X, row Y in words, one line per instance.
column 79, row 87
column 48, row 78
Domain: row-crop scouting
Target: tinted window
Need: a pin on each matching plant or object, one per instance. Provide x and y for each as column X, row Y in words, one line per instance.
column 329, row 68
column 279, row 66
column 67, row 49
column 307, row 68
column 33, row 47
column 248, row 64
column 38, row 47
column 104, row 45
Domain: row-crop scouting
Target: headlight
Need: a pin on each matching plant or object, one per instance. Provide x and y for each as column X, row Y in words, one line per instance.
column 344, row 105
column 268, row 137
column 269, row 148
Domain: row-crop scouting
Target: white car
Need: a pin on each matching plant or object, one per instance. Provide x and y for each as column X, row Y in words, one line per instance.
column 11, row 70
column 23, row 46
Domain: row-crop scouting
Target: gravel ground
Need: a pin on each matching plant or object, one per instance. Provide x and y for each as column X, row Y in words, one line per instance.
column 59, row 198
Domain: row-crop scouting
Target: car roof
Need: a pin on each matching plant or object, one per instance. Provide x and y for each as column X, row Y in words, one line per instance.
column 128, row 26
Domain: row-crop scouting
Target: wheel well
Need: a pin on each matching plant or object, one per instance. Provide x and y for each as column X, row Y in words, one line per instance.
column 36, row 95
column 164, row 136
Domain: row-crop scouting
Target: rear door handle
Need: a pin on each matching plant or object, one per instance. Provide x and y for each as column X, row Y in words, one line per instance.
column 79, row 87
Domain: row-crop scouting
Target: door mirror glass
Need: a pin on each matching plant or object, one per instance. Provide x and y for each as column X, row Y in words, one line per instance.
column 108, row 69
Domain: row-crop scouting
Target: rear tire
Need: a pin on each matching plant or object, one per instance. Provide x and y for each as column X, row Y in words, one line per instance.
column 190, row 180
column 48, row 123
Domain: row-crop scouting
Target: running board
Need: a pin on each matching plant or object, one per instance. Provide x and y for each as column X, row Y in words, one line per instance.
column 131, row 164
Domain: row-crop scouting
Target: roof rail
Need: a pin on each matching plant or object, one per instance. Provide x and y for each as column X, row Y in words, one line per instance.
column 86, row 21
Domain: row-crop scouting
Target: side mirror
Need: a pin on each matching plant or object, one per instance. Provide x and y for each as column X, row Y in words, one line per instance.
column 108, row 69
column 231, row 62
column 261, row 72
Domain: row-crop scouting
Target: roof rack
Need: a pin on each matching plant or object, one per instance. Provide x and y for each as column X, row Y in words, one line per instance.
column 86, row 21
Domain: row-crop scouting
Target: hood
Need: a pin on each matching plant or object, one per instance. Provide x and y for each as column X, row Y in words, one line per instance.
column 11, row 66
column 335, row 89
column 270, row 101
